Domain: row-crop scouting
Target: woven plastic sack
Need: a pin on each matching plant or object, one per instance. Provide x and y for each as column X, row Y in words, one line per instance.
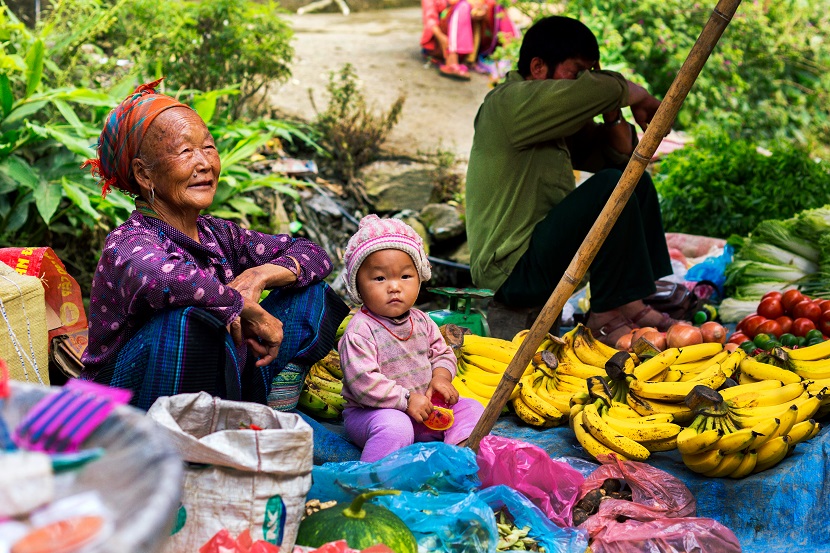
column 249, row 469
column 551, row 485
column 24, row 341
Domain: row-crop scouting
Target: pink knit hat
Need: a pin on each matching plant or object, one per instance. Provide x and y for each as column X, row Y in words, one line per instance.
column 375, row 234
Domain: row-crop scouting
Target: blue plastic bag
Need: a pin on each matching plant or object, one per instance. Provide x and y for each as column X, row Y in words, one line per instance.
column 446, row 522
column 429, row 467
column 712, row 269
column 548, row 535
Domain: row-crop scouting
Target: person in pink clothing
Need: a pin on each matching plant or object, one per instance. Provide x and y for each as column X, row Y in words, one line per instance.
column 448, row 35
column 393, row 356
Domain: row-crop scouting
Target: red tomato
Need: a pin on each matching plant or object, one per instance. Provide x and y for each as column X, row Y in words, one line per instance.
column 738, row 338
column 769, row 327
column 807, row 309
column 770, row 308
column 790, row 298
column 740, row 325
column 824, row 304
column 750, row 327
column 802, row 326
column 786, row 324
column 774, row 294
column 824, row 323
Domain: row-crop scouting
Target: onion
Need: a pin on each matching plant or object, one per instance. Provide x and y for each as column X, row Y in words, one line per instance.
column 638, row 332
column 713, row 332
column 656, row 339
column 683, row 334
column 624, row 342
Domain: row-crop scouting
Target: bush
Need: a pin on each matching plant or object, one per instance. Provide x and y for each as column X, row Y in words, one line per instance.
column 207, row 45
column 719, row 186
column 351, row 132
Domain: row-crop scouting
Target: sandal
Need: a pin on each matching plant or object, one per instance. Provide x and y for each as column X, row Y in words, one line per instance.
column 662, row 326
column 455, row 71
column 613, row 330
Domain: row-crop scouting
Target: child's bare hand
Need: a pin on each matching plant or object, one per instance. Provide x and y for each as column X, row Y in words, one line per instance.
column 419, row 407
column 443, row 386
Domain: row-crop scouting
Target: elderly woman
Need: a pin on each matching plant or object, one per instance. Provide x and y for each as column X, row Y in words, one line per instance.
column 175, row 299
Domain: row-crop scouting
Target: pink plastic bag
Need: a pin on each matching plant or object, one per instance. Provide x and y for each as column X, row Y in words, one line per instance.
column 653, row 531
column 551, row 485
column 660, row 516
column 650, row 487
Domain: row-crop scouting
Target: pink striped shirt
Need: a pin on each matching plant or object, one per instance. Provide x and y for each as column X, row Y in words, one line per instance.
column 380, row 369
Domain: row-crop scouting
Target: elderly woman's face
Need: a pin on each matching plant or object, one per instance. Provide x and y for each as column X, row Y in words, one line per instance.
column 182, row 160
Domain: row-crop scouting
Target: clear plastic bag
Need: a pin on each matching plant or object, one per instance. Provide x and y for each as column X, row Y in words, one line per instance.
column 446, row 522
column 553, row 538
column 651, row 487
column 430, row 466
column 550, row 485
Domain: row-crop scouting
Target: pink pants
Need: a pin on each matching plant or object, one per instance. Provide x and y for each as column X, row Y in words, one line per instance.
column 459, row 28
column 379, row 432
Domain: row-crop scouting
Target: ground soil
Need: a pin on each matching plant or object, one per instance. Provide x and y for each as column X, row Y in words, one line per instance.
column 383, row 46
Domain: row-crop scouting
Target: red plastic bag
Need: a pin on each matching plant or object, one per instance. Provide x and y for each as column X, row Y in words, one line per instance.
column 651, row 487
column 655, row 532
column 660, row 516
column 63, row 294
column 551, row 485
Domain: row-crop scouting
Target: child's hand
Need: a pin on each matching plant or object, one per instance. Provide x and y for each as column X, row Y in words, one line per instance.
column 419, row 407
column 443, row 386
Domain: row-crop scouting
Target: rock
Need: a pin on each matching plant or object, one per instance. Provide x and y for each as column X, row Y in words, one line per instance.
column 411, row 218
column 461, row 254
column 325, row 205
column 397, row 185
column 443, row 221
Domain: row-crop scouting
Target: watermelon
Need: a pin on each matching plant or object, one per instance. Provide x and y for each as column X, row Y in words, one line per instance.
column 361, row 524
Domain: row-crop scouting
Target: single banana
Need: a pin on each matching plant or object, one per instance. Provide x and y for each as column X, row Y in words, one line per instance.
column 703, row 462
column 484, row 363
column 700, row 364
column 747, row 465
column 811, row 370
column 649, row 369
column 575, row 408
column 583, row 397
column 763, row 371
column 808, row 408
column 489, row 351
column 769, row 411
column 579, row 370
column 815, row 386
column 735, row 391
column 802, row 431
column 527, row 392
column 335, row 400
column 472, row 372
column 735, row 441
column 479, row 388
column 669, row 444
column 674, row 375
column 681, row 413
column 335, row 387
column 771, row 453
column 623, row 411
column 810, row 353
column 763, row 431
column 744, row 379
column 473, row 340
column 560, row 400
column 641, row 432
column 698, row 352
column 315, row 406
column 610, row 437
column 727, row 465
column 732, row 362
column 589, row 443
column 763, row 398
column 711, row 377
column 465, row 391
column 519, row 337
column 670, row 392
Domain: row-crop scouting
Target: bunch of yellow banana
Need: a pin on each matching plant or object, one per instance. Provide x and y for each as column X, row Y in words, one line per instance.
column 752, row 370
column 536, row 405
column 579, row 345
column 321, row 395
column 746, row 429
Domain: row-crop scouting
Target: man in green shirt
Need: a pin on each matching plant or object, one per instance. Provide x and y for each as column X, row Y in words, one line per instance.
column 525, row 215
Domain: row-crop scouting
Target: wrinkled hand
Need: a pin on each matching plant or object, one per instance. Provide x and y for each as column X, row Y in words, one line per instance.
column 260, row 330
column 419, row 407
column 644, row 111
column 252, row 282
column 444, row 387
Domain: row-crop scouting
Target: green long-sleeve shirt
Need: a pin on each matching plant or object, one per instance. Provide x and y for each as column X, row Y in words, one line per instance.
column 520, row 164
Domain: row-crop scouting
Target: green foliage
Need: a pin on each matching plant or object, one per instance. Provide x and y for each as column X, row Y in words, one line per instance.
column 719, row 186
column 767, row 79
column 351, row 132
column 206, row 45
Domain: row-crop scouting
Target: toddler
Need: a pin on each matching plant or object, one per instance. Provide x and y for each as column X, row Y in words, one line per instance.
column 393, row 356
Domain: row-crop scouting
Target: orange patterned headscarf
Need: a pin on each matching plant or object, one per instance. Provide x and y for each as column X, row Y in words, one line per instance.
column 121, row 138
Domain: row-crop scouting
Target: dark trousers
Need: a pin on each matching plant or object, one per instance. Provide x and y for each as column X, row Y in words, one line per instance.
column 632, row 257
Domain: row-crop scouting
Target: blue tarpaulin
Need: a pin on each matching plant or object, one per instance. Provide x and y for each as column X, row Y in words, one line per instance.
column 783, row 509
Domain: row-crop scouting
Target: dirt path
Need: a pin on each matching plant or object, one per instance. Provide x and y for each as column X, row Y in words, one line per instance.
column 383, row 47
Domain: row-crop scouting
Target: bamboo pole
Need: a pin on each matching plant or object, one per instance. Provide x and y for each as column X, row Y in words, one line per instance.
column 657, row 129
